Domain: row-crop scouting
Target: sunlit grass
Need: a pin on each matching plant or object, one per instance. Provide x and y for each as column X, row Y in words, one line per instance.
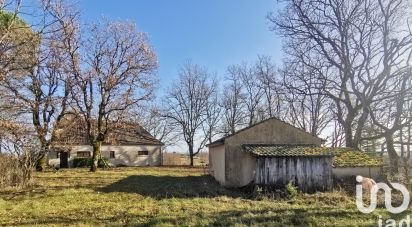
column 164, row 197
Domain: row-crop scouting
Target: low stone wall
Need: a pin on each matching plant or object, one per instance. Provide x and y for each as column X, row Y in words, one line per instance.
column 371, row 172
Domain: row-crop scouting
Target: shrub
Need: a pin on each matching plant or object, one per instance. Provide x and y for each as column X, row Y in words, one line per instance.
column 87, row 162
column 11, row 172
column 258, row 193
column 291, row 191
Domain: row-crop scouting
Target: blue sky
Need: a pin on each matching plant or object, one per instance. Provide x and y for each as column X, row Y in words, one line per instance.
column 212, row 33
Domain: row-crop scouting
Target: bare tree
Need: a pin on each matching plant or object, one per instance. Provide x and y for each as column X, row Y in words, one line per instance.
column 355, row 47
column 232, row 103
column 337, row 139
column 213, row 116
column 187, row 103
column 42, row 89
column 251, row 94
column 271, row 86
column 113, row 72
column 308, row 108
column 391, row 113
column 405, row 141
column 162, row 128
column 253, row 90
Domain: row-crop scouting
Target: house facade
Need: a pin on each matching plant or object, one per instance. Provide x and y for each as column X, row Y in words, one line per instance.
column 128, row 145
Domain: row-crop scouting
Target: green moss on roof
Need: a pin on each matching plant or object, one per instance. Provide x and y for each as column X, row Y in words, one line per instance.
column 286, row 150
column 342, row 157
column 355, row 158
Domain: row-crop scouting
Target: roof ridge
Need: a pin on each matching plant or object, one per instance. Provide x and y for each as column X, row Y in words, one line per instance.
column 124, row 132
column 288, row 150
column 258, row 123
column 280, row 145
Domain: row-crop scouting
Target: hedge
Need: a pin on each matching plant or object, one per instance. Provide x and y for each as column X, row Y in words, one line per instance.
column 87, row 162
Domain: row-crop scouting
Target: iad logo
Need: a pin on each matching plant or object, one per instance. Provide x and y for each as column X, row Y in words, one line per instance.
column 388, row 197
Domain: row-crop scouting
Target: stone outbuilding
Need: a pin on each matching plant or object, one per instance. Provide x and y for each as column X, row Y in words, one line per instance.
column 274, row 153
column 232, row 166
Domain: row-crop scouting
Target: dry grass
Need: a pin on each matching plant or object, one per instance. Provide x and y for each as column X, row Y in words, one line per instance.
column 163, row 196
column 179, row 159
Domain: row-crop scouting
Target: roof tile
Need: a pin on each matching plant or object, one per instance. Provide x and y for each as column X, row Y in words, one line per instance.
column 342, row 157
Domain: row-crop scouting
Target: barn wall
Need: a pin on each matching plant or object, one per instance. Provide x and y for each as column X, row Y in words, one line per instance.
column 217, row 163
column 124, row 155
column 372, row 172
column 309, row 174
column 240, row 166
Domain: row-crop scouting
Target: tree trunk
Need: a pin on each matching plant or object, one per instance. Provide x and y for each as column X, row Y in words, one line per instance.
column 348, row 138
column 393, row 156
column 26, row 176
column 96, row 155
column 191, row 155
column 232, row 129
column 191, row 160
column 41, row 162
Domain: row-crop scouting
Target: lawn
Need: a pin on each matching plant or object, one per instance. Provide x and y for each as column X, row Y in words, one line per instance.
column 166, row 196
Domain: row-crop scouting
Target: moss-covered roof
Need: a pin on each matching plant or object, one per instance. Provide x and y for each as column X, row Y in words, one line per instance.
column 342, row 157
column 285, row 150
column 355, row 158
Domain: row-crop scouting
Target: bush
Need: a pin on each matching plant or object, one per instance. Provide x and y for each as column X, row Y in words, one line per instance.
column 87, row 162
column 258, row 193
column 11, row 172
column 291, row 191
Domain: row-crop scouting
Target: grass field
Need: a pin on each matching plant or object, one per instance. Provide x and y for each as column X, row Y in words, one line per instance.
column 166, row 196
column 182, row 159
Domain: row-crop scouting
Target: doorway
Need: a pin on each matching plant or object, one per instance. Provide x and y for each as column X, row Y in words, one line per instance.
column 64, row 159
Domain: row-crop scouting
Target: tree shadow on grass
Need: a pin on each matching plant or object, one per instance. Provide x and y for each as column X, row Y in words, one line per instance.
column 268, row 217
column 160, row 187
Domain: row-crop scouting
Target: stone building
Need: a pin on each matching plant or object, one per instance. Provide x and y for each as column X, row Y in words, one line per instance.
column 128, row 144
column 273, row 152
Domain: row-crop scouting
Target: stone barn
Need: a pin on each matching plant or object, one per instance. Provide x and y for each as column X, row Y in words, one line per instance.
column 233, row 161
column 274, row 153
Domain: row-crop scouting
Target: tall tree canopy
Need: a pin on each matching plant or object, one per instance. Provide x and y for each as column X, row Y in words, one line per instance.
column 18, row 44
